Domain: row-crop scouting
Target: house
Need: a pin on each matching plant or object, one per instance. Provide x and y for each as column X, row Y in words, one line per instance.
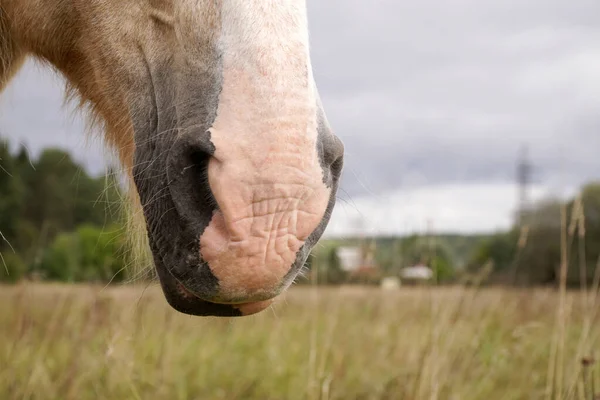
column 359, row 262
column 350, row 257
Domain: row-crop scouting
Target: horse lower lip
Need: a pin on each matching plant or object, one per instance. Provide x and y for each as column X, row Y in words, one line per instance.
column 233, row 304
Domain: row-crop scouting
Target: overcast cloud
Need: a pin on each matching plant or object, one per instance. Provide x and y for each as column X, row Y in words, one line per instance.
column 433, row 97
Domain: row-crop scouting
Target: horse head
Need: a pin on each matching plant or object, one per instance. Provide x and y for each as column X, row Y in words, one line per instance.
column 214, row 112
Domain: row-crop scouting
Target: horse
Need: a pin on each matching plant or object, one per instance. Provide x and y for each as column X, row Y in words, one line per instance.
column 214, row 114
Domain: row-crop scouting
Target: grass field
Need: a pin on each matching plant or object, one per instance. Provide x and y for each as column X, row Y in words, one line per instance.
column 86, row 342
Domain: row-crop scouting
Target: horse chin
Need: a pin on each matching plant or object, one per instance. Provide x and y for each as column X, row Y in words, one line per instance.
column 245, row 308
column 186, row 302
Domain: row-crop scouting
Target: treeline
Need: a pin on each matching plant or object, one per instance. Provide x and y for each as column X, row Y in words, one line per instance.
column 56, row 221
column 553, row 235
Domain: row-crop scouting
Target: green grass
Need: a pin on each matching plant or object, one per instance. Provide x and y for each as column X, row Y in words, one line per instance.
column 86, row 342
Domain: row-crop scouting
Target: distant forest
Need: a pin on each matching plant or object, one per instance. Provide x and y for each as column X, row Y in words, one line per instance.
column 59, row 223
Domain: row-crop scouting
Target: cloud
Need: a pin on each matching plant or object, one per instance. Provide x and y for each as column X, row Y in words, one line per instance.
column 450, row 90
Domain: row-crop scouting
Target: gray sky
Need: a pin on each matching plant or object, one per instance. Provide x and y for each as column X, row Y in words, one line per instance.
column 429, row 95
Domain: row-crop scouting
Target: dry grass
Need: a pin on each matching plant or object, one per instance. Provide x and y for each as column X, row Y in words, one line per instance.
column 83, row 342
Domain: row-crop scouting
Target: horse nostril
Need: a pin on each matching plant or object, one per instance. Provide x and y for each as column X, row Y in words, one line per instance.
column 188, row 179
column 337, row 166
column 196, row 173
column 197, row 149
column 334, row 155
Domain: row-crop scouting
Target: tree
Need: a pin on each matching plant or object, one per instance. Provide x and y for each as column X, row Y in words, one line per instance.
column 501, row 249
column 584, row 235
column 88, row 254
column 12, row 267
